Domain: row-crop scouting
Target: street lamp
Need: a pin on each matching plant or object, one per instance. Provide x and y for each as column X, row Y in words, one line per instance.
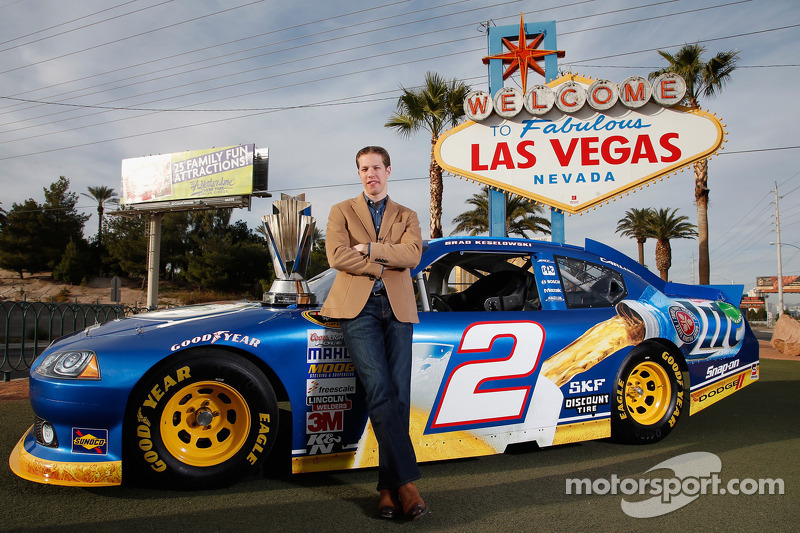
column 787, row 244
column 780, row 271
column 726, row 279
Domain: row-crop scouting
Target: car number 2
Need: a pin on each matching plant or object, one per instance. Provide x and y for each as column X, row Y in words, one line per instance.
column 467, row 396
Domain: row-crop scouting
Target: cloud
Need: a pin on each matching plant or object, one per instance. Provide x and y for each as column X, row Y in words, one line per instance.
column 298, row 67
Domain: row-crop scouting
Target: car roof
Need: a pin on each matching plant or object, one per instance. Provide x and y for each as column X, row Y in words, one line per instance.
column 436, row 248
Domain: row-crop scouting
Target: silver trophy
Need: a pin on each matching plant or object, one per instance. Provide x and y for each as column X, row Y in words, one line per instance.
column 290, row 232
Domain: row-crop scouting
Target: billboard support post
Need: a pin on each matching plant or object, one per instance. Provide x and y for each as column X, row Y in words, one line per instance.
column 153, row 259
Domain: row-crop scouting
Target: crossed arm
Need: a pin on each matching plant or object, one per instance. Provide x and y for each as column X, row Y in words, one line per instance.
column 401, row 249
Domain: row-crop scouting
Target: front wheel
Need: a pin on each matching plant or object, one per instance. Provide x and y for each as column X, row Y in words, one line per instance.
column 204, row 419
column 648, row 396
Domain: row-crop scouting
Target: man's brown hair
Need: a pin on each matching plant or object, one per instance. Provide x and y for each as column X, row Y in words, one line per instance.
column 380, row 150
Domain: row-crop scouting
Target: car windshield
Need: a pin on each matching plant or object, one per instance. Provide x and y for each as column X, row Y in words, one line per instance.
column 321, row 284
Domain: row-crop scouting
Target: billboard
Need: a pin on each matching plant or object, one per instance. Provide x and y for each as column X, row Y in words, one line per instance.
column 575, row 143
column 751, row 302
column 770, row 284
column 210, row 173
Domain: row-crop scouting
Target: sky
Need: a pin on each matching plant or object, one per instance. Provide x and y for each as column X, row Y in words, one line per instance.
column 87, row 83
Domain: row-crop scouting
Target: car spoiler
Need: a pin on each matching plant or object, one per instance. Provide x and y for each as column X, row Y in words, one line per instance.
column 731, row 294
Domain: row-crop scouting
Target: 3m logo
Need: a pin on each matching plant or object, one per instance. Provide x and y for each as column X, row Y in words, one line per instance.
column 324, row 421
column 90, row 441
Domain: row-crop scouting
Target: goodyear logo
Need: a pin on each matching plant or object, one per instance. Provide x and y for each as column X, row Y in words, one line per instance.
column 90, row 441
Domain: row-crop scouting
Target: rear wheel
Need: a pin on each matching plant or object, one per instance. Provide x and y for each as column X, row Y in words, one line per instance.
column 648, row 398
column 204, row 419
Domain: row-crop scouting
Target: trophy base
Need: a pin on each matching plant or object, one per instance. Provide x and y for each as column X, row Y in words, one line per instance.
column 288, row 292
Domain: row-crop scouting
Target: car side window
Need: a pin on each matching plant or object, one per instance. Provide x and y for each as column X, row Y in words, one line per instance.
column 481, row 281
column 588, row 284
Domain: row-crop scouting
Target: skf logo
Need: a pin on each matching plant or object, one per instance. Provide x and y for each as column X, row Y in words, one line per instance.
column 90, row 441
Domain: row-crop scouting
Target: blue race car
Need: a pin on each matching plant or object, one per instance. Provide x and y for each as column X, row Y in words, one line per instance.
column 518, row 341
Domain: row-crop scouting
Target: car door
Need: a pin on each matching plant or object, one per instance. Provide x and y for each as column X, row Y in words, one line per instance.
column 477, row 371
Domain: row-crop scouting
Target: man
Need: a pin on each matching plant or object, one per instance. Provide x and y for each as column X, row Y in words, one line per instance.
column 373, row 242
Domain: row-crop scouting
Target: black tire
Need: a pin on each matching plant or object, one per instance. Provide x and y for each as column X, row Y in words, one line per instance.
column 649, row 396
column 203, row 419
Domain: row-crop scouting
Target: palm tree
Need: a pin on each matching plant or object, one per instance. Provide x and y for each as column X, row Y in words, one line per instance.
column 635, row 225
column 664, row 226
column 102, row 195
column 521, row 216
column 437, row 105
column 706, row 79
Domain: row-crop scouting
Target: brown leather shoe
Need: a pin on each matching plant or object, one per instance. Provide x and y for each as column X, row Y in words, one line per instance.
column 388, row 505
column 413, row 505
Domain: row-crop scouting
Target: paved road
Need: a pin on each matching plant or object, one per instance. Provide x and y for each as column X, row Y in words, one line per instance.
column 755, row 433
column 763, row 334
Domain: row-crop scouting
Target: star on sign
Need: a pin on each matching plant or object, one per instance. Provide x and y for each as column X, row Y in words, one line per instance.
column 523, row 56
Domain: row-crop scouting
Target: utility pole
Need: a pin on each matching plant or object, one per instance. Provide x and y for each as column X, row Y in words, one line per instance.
column 778, row 243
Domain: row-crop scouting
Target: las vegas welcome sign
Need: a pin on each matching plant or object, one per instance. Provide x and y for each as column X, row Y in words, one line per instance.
column 575, row 142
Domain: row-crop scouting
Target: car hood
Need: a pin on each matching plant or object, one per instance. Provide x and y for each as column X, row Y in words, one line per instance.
column 179, row 318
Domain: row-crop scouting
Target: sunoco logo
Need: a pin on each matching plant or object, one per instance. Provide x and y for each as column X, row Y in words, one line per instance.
column 90, row 441
column 685, row 323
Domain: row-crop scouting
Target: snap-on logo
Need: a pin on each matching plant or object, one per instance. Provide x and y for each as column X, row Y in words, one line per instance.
column 686, row 325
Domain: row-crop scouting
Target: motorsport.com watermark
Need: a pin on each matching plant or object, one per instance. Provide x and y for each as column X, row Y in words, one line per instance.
column 695, row 474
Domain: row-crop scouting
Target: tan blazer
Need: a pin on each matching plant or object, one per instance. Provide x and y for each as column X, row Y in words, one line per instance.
column 397, row 249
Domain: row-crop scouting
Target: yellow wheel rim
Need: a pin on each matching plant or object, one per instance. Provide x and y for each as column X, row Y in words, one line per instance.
column 647, row 393
column 205, row 423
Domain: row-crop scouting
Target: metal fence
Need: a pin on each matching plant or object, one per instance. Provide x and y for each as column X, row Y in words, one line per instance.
column 27, row 328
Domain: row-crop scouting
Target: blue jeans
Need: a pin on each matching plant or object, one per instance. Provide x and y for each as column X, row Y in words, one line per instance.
column 380, row 347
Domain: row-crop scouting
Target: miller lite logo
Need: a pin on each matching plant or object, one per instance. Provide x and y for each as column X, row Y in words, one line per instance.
column 686, row 324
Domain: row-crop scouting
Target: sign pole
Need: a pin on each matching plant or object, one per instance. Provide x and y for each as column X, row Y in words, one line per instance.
column 497, row 202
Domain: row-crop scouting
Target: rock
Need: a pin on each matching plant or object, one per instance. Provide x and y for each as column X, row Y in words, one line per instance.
column 786, row 335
